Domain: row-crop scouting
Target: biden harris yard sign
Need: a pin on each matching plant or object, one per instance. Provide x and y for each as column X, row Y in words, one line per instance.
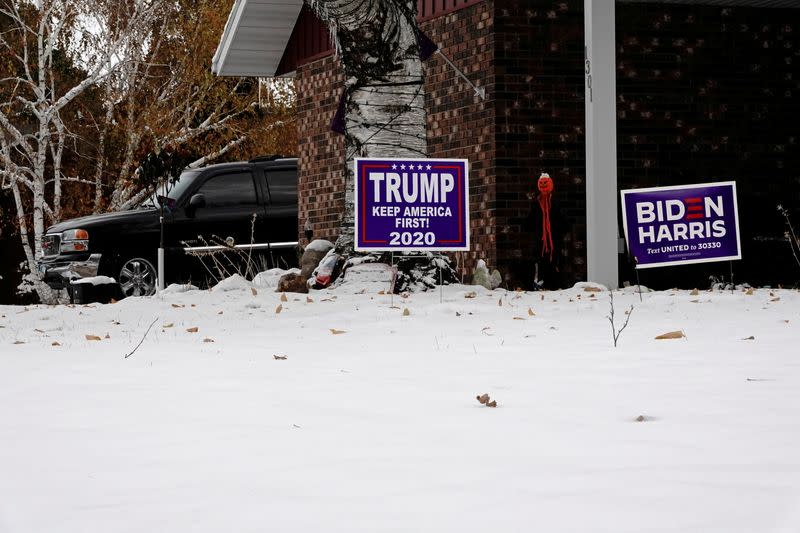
column 412, row 204
column 682, row 225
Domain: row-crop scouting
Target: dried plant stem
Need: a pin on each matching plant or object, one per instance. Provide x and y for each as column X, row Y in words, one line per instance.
column 614, row 332
column 143, row 337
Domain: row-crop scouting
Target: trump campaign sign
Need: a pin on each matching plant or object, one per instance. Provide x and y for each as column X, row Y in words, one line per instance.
column 682, row 225
column 411, row 204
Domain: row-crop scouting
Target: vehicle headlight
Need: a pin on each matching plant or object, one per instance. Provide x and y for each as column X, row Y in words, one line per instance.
column 75, row 240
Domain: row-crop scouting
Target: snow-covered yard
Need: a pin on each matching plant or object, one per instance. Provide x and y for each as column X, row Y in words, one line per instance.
column 375, row 426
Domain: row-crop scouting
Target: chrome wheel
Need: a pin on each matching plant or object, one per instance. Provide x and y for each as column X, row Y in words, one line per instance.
column 138, row 277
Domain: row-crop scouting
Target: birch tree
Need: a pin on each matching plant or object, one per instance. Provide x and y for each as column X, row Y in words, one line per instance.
column 376, row 41
column 92, row 89
column 38, row 38
column 173, row 103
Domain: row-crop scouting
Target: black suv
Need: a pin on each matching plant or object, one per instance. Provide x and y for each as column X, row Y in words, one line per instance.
column 248, row 205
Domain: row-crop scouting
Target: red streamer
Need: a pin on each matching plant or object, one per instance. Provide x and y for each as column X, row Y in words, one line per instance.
column 545, row 185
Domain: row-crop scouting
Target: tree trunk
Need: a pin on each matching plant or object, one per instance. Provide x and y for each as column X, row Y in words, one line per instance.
column 385, row 112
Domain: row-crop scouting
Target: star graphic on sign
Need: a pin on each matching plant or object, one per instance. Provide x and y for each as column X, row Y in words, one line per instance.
column 394, row 167
column 428, row 167
column 419, row 167
column 402, row 167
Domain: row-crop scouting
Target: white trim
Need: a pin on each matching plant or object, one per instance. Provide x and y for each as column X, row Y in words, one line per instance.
column 600, row 71
column 255, row 38
column 232, row 24
column 465, row 248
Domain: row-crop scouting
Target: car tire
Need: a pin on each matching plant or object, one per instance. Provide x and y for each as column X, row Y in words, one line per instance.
column 137, row 277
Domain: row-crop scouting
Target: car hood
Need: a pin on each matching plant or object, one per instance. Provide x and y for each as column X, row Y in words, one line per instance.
column 105, row 221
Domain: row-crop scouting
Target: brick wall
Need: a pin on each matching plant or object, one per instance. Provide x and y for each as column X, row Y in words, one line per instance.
column 540, row 117
column 704, row 93
column 713, row 93
column 460, row 124
column 320, row 152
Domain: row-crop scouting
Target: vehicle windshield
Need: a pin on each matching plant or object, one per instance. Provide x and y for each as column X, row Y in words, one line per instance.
column 172, row 190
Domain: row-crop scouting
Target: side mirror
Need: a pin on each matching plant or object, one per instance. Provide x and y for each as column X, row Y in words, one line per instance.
column 197, row 200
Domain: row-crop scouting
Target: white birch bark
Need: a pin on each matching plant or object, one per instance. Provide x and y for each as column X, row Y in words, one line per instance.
column 385, row 114
column 34, row 94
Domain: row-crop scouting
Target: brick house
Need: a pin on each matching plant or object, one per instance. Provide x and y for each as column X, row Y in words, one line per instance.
column 704, row 93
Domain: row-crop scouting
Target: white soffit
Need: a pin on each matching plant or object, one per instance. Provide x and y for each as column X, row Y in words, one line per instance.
column 255, row 37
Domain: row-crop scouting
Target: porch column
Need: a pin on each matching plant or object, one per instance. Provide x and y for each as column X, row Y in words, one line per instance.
column 601, row 142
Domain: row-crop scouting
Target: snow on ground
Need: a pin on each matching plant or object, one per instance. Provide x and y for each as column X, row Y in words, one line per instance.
column 376, row 428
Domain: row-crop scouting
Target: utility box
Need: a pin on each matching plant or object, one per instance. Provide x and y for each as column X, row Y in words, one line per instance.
column 99, row 289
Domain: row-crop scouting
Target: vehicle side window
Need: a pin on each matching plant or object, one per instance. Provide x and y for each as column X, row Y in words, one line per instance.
column 282, row 187
column 230, row 190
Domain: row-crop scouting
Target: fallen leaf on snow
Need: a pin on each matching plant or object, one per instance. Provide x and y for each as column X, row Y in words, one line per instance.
column 750, row 338
column 749, row 292
column 337, row 331
column 280, row 357
column 530, row 312
column 219, row 313
column 775, row 299
column 37, row 330
column 500, row 302
column 406, row 312
column 254, row 291
column 19, row 342
column 671, row 335
column 493, row 403
column 107, row 336
column 283, row 297
column 483, row 398
column 55, row 343
column 168, row 325
column 471, row 295
column 279, row 309
column 694, row 292
column 178, row 306
column 309, row 300
column 194, row 329
column 208, row 339
column 518, row 318
column 592, row 289
column 92, row 338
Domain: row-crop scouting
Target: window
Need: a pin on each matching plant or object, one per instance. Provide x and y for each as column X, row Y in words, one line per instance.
column 283, row 187
column 229, row 190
